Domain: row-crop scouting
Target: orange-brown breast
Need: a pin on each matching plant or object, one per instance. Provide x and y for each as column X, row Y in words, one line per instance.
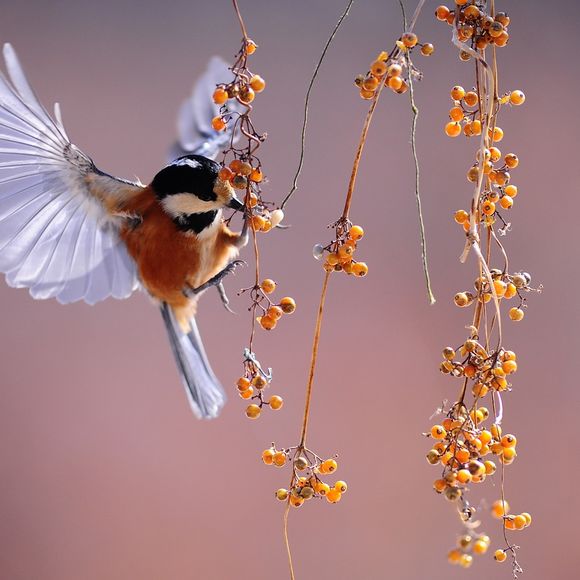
column 168, row 259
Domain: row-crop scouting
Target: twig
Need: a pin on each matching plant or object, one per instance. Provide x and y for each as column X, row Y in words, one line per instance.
column 307, row 101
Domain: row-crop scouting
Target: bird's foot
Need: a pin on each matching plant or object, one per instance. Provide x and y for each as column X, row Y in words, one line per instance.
column 215, row 281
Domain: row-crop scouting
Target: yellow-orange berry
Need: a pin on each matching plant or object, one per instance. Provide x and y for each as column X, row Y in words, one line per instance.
column 511, row 190
column 395, row 83
column 457, row 93
column 509, row 366
column 279, row 459
column 506, row 202
column 250, row 46
column 341, row 486
column 356, row 233
column 527, row 517
column 490, row 467
column 321, row 487
column 427, row 49
column 378, row 68
column 452, row 129
column 370, row 83
column 276, row 402
column 456, row 114
column 247, row 394
column 218, row 124
column 257, row 83
column 296, row 500
column 470, row 99
column 500, row 556
column 268, row 286
column 256, row 175
column 253, row 411
column 266, row 322
column 509, row 440
column 328, row 466
column 409, row 39
column 488, row 207
column 360, row 269
column 333, row 496
column 225, row 174
column 480, row 547
column 438, row 432
column 461, row 216
column 246, row 95
column 366, row 95
column 511, row 160
column 499, row 509
column 282, row 494
column 516, row 314
column 288, row 305
column 268, row 456
column 442, row 12
column 220, row 96
column 275, row 312
column 517, row 98
column 243, row 384
column 496, row 135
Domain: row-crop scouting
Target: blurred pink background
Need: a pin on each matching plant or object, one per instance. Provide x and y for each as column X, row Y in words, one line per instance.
column 105, row 472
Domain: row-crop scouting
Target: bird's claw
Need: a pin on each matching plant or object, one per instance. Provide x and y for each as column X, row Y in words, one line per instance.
column 215, row 281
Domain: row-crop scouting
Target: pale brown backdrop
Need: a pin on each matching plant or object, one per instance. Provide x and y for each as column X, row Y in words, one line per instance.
column 104, row 473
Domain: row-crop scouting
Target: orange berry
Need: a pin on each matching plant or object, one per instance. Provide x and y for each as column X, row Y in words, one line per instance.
column 370, row 84
column 488, row 207
column 456, row 114
column 356, row 233
column 246, row 95
column 442, row 12
column 457, row 93
column 220, row 96
column 500, row 556
column 452, row 129
column 506, row 202
column 333, row 496
column 279, row 459
column 268, row 286
column 516, row 314
column 509, row 366
column 378, row 68
column 509, row 440
column 256, row 175
column 463, row 476
column 250, row 47
column 511, row 190
column 367, row 95
column 395, row 83
column 266, row 322
column 527, row 517
column 341, row 486
column 257, row 83
column 247, row 394
column 427, row 49
column 218, row 124
column 253, row 411
column 438, row 432
column 243, row 384
column 409, row 39
column 511, row 160
column 470, row 99
column 499, row 509
column 287, row 305
column 496, row 135
column 461, row 216
column 235, row 165
column 517, row 98
column 282, row 494
column 258, row 222
column 296, row 501
column 225, row 174
column 275, row 312
column 268, row 456
column 520, row 522
column 480, row 547
column 328, row 466
column 360, row 269
column 276, row 402
column 490, row 467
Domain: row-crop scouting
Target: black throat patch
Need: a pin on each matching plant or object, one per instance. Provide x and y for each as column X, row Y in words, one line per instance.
column 195, row 222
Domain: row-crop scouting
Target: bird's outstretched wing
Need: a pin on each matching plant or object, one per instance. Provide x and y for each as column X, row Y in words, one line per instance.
column 195, row 135
column 58, row 228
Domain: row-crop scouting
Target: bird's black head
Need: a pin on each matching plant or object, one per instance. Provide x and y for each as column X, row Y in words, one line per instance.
column 191, row 192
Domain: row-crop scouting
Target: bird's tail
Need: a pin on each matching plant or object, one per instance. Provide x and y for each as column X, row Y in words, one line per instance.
column 204, row 392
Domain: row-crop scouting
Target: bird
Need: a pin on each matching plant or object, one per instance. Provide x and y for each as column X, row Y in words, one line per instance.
column 70, row 231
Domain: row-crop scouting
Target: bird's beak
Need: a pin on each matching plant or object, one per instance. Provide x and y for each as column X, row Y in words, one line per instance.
column 235, row 203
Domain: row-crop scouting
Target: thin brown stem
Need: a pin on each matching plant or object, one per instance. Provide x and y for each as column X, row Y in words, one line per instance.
column 241, row 20
column 313, row 359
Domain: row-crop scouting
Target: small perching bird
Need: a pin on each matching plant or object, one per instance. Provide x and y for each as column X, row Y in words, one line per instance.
column 72, row 232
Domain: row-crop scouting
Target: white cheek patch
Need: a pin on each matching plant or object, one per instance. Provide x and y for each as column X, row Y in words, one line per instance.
column 187, row 203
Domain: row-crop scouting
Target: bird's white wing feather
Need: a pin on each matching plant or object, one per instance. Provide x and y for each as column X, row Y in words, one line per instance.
column 194, row 130
column 56, row 236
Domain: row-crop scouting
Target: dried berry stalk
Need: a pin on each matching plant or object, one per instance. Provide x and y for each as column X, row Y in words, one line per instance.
column 242, row 167
column 462, row 440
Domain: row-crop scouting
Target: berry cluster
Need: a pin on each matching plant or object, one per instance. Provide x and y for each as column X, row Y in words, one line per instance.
column 392, row 70
column 468, row 451
column 307, row 469
column 468, row 545
column 499, row 511
column 475, row 26
column 505, row 286
column 339, row 254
